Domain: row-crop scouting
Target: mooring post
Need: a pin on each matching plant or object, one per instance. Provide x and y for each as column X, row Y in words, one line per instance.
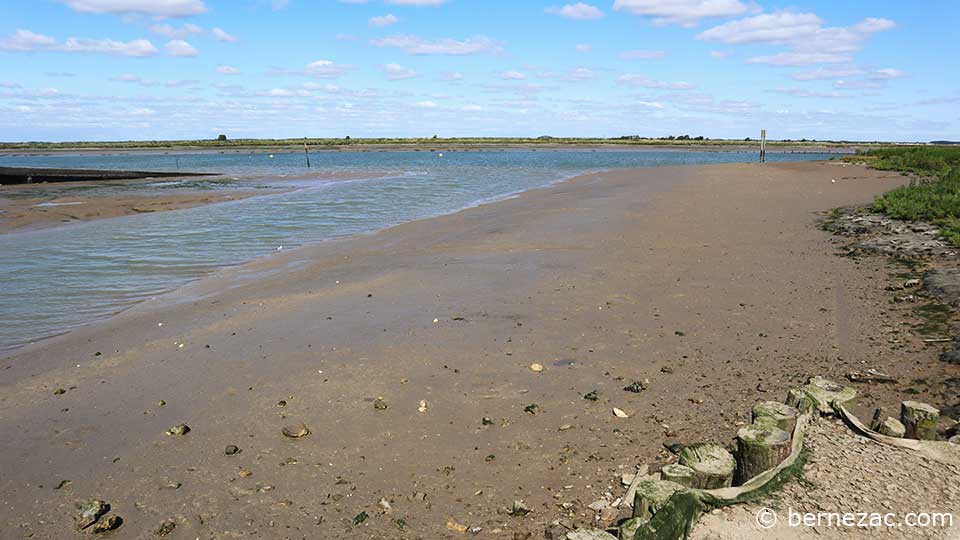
column 306, row 152
column 763, row 145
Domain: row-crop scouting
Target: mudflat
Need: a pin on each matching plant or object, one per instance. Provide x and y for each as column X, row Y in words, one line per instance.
column 711, row 286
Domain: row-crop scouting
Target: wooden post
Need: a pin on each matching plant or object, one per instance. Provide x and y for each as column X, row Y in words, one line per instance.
column 651, row 495
column 712, row 465
column 306, row 152
column 779, row 415
column 919, row 420
column 759, row 449
column 763, row 146
column 680, row 474
column 824, row 393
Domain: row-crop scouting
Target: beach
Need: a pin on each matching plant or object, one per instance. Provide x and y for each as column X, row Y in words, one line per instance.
column 710, row 286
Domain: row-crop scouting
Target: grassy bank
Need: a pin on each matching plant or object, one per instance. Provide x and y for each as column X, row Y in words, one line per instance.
column 933, row 195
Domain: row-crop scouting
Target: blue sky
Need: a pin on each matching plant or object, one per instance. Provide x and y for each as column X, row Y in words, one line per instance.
column 173, row 69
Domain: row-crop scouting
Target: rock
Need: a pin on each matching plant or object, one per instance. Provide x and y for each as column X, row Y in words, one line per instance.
column 108, row 523
column 486, row 421
column 360, row 518
column 599, row 505
column 536, row 368
column 90, row 512
column 385, row 505
column 231, row 450
column 519, row 509
column 59, row 392
column 379, row 404
column 296, row 431
column 666, row 369
column 63, row 484
column 456, row 527
column 635, row 387
column 245, row 473
column 161, row 403
column 165, row 528
column 555, row 531
column 533, row 408
column 592, row 395
column 565, row 427
column 422, row 406
column 619, row 413
column 954, row 440
column 181, row 429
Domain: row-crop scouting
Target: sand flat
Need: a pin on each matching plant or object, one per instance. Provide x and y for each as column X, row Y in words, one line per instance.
column 712, row 282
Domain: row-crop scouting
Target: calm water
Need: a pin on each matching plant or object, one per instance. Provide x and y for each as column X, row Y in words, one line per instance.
column 57, row 279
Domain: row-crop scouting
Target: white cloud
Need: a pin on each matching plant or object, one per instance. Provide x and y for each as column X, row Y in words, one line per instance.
column 719, row 54
column 803, row 34
column 579, row 11
column 452, row 76
column 471, row 108
column 276, row 92
column 643, row 55
column 416, row 2
column 396, row 72
column 221, row 35
column 684, row 12
column 228, row 70
column 325, row 69
column 416, row 45
column 383, row 20
column 25, row 41
column 179, row 47
column 512, row 76
column 172, row 32
column 801, row 59
column 632, row 79
column 824, row 73
column 584, row 47
column 886, row 74
column 426, row 105
column 153, row 8
column 803, row 92
column 576, row 74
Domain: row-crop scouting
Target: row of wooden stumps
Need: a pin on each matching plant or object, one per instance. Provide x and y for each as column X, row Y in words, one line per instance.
column 708, row 475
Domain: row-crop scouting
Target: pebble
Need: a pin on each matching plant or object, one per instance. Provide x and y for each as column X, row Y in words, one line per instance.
column 231, row 450
column 181, row 429
column 296, row 431
column 166, row 527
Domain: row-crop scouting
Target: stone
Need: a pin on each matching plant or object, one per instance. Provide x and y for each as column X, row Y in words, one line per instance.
column 891, row 427
column 519, row 509
column 90, row 512
column 295, row 431
column 166, row 527
column 635, row 387
column 231, row 450
column 108, row 523
column 181, row 429
column 590, row 534
column 592, row 395
column 533, row 409
column 379, row 404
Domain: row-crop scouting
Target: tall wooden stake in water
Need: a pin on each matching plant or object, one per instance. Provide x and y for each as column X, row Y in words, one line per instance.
column 306, row 153
column 763, row 145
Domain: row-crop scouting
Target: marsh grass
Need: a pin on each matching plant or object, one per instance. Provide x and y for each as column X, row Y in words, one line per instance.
column 933, row 193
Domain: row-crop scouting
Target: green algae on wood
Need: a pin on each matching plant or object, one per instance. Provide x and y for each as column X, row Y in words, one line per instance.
column 712, row 464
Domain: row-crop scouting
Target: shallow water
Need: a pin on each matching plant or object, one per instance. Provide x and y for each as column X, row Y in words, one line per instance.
column 57, row 279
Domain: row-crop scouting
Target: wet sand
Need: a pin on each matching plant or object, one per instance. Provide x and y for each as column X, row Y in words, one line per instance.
column 711, row 283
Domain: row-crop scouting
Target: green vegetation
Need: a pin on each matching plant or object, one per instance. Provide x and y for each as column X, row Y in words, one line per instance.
column 347, row 142
column 933, row 195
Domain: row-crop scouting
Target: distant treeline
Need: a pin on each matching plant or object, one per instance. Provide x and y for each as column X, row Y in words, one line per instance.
column 223, row 142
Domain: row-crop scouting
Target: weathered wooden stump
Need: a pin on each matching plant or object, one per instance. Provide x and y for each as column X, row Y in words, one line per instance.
column 919, row 420
column 680, row 474
column 651, row 495
column 824, row 393
column 712, row 465
column 760, row 448
column 798, row 399
column 780, row 415
column 891, row 427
